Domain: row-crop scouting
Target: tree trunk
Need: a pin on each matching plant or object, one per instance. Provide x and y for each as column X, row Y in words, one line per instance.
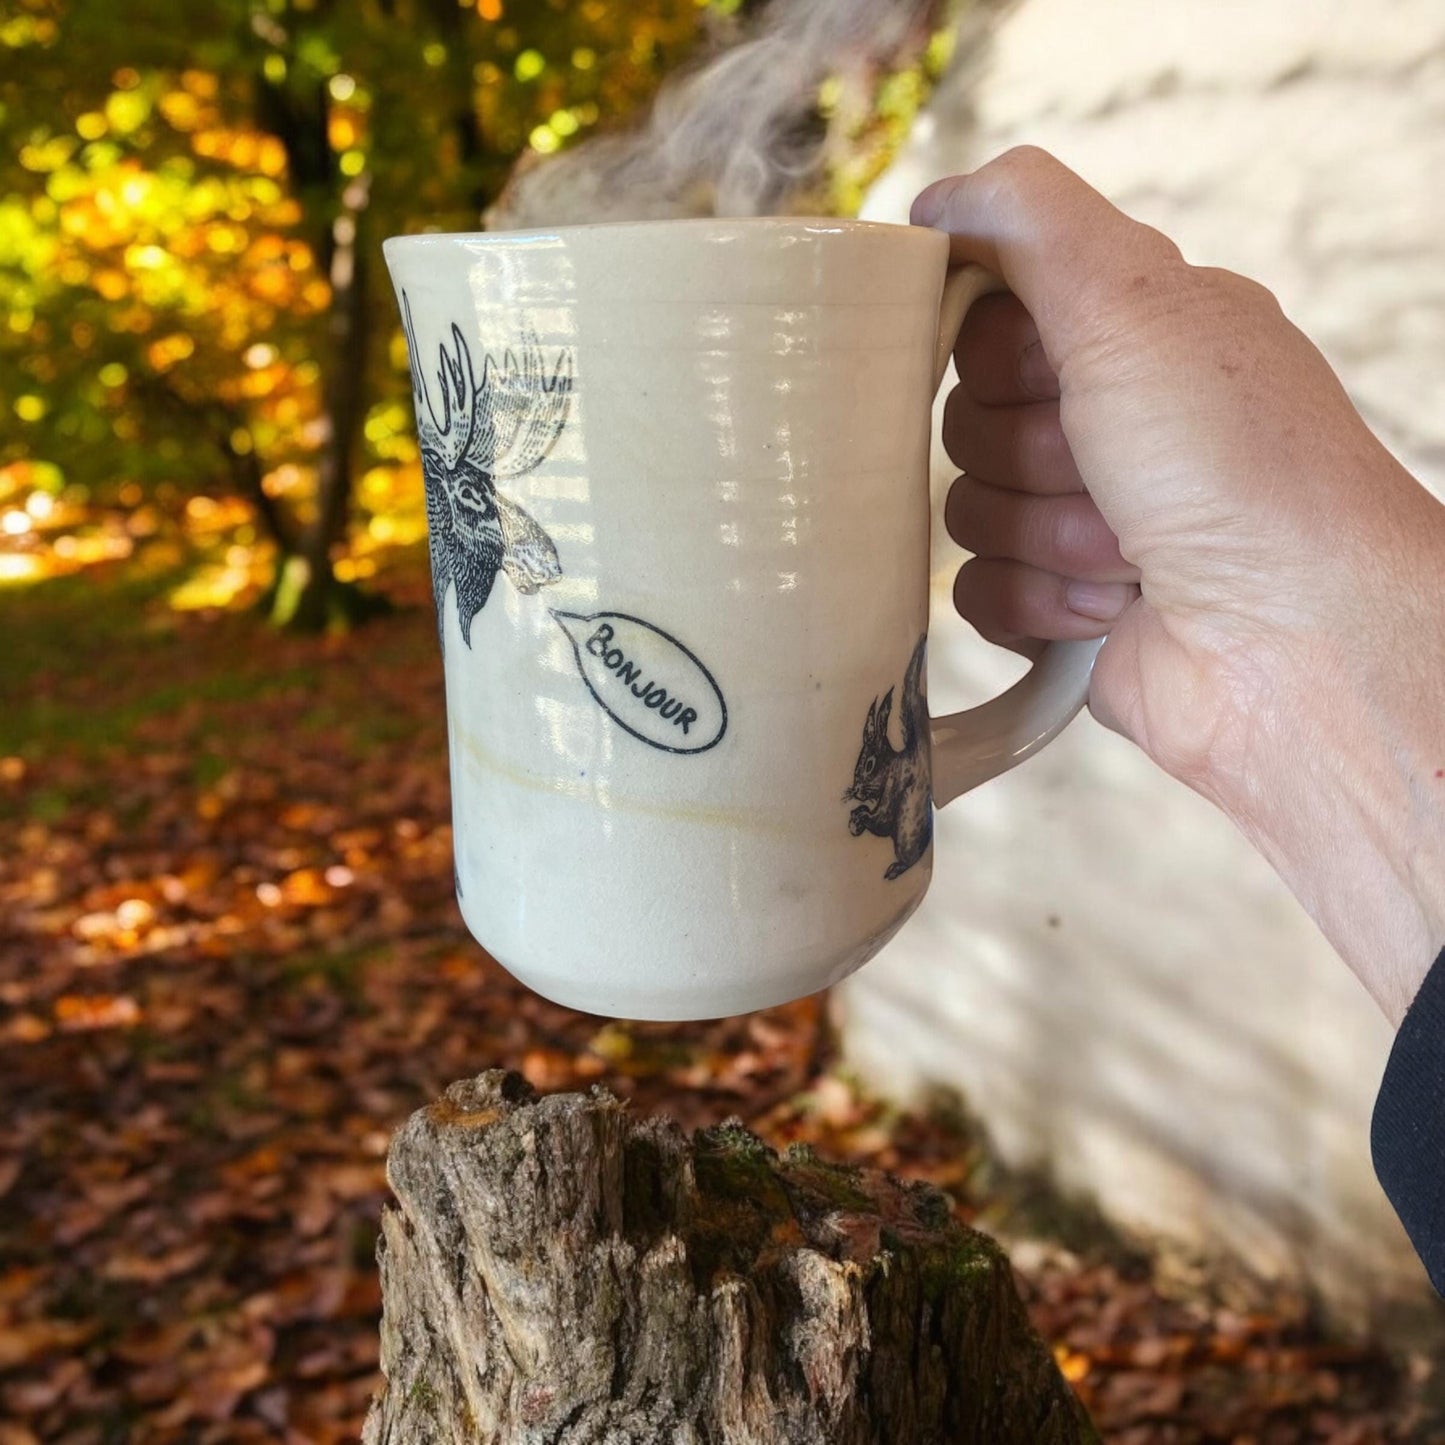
column 561, row 1271
column 306, row 595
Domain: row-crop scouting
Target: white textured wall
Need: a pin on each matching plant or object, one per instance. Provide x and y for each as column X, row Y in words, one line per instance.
column 1121, row 988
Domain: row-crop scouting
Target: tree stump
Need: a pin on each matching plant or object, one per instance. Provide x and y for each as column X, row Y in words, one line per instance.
column 561, row 1271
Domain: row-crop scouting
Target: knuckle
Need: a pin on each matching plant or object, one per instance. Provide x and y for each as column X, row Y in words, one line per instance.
column 1039, row 533
column 1148, row 275
column 1161, row 250
column 1024, row 160
column 953, row 509
column 1006, row 602
column 1020, row 609
column 1019, row 169
column 956, row 430
column 961, row 514
column 1029, row 602
column 939, row 199
column 1065, row 537
column 981, row 530
column 971, row 349
column 970, row 595
column 1242, row 292
column 1042, row 452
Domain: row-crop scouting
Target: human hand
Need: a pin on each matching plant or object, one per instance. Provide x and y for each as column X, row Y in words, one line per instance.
column 1153, row 451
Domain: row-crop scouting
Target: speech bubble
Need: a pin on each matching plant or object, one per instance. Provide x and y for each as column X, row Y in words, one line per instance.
column 646, row 681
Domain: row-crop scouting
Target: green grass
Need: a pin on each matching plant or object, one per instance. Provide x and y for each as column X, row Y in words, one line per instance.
column 36, row 724
column 90, row 610
column 89, row 659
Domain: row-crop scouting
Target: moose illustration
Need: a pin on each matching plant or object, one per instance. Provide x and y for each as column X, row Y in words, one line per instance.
column 488, row 429
column 892, row 787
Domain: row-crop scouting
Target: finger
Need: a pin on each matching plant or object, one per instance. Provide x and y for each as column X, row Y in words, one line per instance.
column 999, row 356
column 1010, row 602
column 1022, row 448
column 1057, row 244
column 1066, row 535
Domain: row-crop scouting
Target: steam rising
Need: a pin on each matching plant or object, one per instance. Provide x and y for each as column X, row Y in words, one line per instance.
column 735, row 137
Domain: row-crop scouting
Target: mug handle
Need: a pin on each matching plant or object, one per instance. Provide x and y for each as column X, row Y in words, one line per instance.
column 973, row 746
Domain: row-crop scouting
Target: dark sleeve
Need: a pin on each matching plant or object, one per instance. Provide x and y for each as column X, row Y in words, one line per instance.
column 1407, row 1135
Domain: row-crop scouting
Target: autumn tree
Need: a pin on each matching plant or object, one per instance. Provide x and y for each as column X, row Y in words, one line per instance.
column 193, row 199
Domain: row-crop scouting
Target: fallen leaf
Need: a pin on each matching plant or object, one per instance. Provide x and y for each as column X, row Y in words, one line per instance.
column 24, row 1343
column 152, row 1269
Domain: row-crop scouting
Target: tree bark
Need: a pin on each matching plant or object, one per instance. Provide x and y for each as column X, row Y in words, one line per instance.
column 307, row 595
column 319, row 599
column 558, row 1270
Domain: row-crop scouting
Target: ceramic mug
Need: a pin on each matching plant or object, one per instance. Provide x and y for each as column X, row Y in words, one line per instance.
column 677, row 497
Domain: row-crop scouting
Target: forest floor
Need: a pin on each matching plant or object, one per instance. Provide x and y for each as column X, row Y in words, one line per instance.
column 231, row 964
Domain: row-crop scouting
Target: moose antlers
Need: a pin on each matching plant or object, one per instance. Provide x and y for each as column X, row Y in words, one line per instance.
column 506, row 422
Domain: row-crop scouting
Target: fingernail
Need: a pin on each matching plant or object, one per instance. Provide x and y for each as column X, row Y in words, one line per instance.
column 1101, row 601
column 1036, row 376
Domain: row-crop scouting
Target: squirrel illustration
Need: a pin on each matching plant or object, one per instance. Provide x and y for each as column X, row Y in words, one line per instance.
column 893, row 786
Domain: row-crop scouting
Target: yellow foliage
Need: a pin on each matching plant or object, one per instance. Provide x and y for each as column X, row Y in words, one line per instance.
column 135, row 318
column 111, row 284
column 48, row 155
column 260, row 382
column 135, row 189
column 201, row 83
column 270, row 156
column 350, row 569
column 127, row 110
column 242, row 149
column 145, row 258
column 342, row 130
column 276, row 284
column 75, row 220
column 166, row 352
column 181, row 109
column 221, row 585
column 24, row 567
column 266, row 247
column 165, row 204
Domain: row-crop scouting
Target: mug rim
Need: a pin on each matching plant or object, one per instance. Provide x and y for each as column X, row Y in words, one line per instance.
column 813, row 225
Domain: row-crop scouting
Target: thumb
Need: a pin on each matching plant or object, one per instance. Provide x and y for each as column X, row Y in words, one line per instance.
column 1067, row 253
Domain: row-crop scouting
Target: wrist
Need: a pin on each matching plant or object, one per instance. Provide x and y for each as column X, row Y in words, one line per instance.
column 1343, row 821
column 1342, row 785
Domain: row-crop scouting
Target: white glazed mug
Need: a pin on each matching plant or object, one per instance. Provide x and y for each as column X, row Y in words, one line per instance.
column 677, row 492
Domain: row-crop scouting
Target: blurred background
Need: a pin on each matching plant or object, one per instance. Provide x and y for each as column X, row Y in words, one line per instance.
column 230, row 963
